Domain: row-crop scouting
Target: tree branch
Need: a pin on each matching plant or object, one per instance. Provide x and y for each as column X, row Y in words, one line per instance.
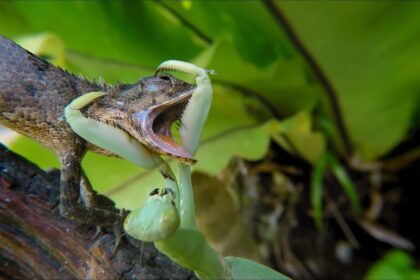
column 36, row 242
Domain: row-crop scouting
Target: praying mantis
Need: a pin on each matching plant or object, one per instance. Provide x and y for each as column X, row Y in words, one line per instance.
column 167, row 218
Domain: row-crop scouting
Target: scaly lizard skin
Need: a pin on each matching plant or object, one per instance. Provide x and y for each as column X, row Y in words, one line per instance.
column 33, row 95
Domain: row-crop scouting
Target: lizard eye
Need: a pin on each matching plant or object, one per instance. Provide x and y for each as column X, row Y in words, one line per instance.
column 166, row 83
column 165, row 77
column 154, row 192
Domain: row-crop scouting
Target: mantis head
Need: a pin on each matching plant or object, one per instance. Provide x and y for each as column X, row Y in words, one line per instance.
column 157, row 219
column 146, row 111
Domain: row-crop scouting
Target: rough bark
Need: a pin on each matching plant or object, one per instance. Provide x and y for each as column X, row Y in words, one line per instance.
column 37, row 243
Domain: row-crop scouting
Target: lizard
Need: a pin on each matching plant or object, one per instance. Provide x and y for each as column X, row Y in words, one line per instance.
column 33, row 98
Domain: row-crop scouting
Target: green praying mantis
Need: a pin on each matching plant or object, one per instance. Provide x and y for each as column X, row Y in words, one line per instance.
column 167, row 218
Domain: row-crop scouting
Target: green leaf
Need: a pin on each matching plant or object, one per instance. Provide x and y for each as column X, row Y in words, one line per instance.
column 231, row 131
column 230, row 109
column 138, row 32
column 46, row 45
column 345, row 182
column 246, row 142
column 369, row 52
column 256, row 38
column 295, row 135
column 34, row 151
column 133, row 192
column 325, row 162
column 250, row 51
column 283, row 83
column 394, row 265
column 111, row 71
column 106, row 173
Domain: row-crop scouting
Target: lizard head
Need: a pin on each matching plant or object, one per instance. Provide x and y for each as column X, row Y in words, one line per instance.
column 146, row 110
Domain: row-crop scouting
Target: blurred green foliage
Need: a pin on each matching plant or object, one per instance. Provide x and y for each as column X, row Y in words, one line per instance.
column 264, row 89
column 368, row 50
column 394, row 265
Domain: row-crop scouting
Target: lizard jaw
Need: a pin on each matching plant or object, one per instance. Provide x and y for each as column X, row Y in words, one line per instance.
column 155, row 124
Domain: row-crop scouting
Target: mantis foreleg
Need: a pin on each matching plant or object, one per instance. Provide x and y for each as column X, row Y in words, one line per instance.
column 187, row 246
column 106, row 136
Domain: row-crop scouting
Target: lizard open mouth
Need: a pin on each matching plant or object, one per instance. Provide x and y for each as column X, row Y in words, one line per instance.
column 156, row 124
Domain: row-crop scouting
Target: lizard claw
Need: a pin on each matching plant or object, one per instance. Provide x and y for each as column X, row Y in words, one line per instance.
column 119, row 234
column 98, row 231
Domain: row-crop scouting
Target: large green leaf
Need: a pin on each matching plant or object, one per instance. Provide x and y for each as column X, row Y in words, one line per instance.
column 369, row 52
column 283, row 84
column 254, row 33
column 246, row 142
column 295, row 135
column 250, row 50
column 138, row 32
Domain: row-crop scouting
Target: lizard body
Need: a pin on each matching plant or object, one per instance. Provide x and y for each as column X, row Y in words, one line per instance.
column 34, row 93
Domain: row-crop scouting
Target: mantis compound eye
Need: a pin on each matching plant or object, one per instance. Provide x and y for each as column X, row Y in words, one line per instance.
column 154, row 192
column 166, row 191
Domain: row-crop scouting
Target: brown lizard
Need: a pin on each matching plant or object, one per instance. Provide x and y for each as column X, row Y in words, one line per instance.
column 34, row 93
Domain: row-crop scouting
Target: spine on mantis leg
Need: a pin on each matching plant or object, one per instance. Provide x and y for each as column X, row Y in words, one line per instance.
column 193, row 119
column 195, row 114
